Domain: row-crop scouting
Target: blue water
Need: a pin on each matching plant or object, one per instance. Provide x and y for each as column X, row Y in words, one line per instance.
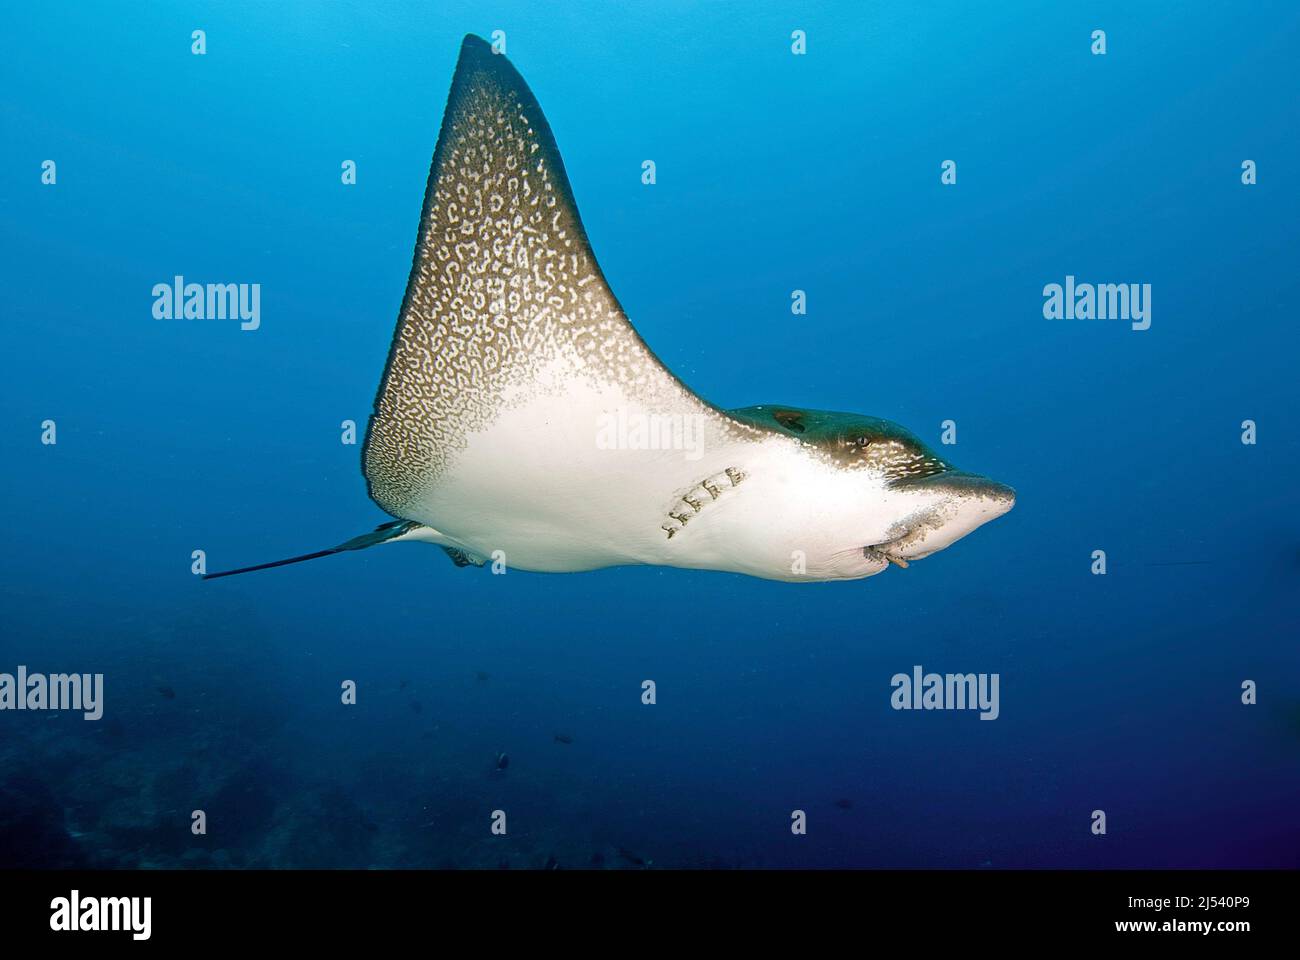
column 775, row 172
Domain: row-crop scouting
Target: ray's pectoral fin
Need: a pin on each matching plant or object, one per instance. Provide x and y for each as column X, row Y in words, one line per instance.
column 390, row 532
column 507, row 317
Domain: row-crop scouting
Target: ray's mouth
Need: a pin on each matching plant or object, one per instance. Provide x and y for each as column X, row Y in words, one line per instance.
column 880, row 553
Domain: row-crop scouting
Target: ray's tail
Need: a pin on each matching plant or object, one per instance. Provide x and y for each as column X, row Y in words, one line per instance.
column 384, row 533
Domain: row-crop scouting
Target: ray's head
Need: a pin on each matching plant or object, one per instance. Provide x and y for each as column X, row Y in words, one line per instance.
column 886, row 496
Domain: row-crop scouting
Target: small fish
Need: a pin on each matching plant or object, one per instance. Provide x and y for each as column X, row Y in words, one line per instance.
column 167, row 693
column 631, row 857
column 502, row 761
column 416, row 706
column 597, row 859
column 482, row 677
column 563, row 738
column 551, row 863
column 403, row 684
column 844, row 803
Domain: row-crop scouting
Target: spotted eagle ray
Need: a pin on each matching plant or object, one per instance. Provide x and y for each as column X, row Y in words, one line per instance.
column 520, row 416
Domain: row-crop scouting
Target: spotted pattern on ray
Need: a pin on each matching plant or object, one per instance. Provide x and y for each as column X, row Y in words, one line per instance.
column 503, row 283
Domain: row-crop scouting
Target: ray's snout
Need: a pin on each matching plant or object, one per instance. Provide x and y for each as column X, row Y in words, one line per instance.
column 972, row 485
column 962, row 485
column 980, row 500
column 962, row 502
